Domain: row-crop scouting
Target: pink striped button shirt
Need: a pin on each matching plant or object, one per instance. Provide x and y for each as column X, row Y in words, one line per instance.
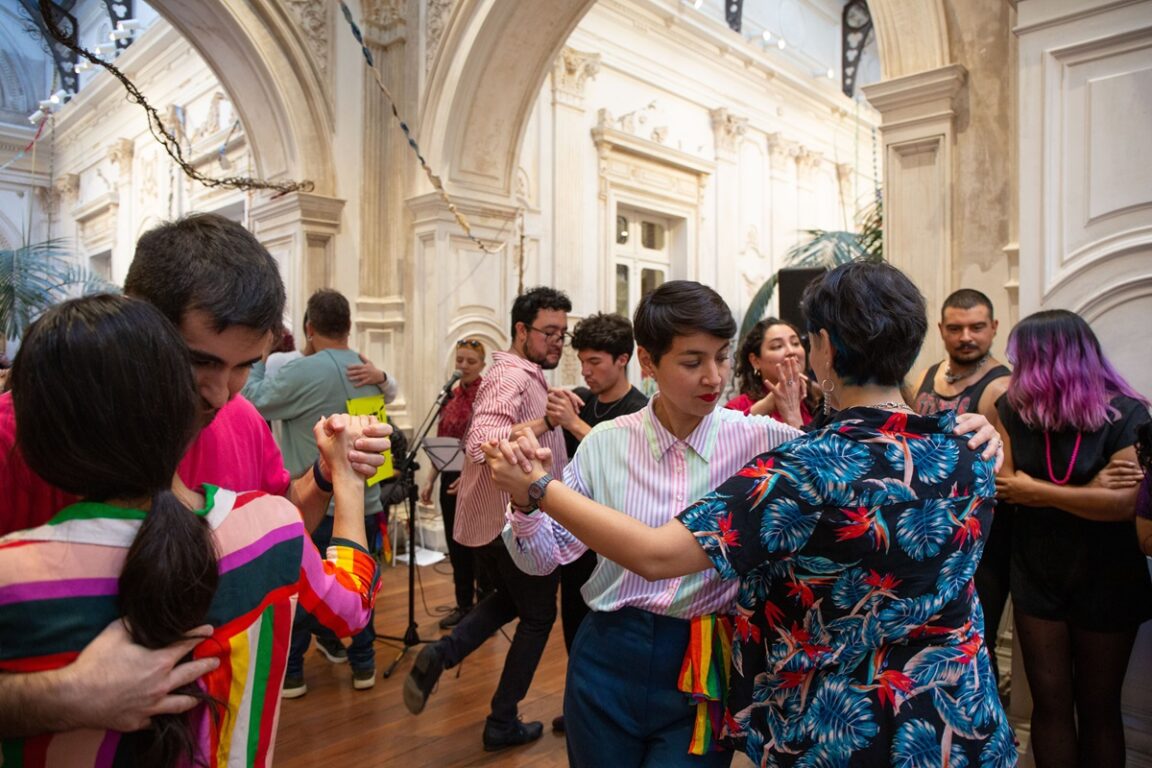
column 635, row 465
column 513, row 391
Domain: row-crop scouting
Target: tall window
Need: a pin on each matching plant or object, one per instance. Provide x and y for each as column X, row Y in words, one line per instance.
column 640, row 255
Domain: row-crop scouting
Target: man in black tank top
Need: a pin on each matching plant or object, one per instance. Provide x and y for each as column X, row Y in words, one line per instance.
column 972, row 380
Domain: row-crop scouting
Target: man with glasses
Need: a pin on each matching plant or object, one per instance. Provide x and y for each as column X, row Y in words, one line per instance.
column 513, row 396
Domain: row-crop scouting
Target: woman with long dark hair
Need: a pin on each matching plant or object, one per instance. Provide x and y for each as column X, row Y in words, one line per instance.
column 1080, row 585
column 105, row 407
column 770, row 373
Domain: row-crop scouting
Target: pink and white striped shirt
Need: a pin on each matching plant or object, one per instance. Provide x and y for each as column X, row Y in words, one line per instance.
column 513, row 391
column 635, row 465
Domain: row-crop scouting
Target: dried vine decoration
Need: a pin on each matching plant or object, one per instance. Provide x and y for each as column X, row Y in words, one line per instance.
column 437, row 184
column 156, row 124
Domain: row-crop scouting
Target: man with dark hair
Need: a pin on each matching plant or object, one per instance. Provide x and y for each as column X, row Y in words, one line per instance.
column 222, row 290
column 301, row 392
column 971, row 380
column 512, row 396
column 604, row 344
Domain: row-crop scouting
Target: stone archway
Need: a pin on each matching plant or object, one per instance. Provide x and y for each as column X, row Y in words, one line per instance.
column 256, row 52
column 495, row 54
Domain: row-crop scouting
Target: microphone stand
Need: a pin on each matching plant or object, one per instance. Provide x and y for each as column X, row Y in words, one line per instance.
column 407, row 474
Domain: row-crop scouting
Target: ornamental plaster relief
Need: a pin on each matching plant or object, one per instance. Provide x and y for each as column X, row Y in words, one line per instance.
column 439, row 11
column 728, row 129
column 312, row 16
column 570, row 72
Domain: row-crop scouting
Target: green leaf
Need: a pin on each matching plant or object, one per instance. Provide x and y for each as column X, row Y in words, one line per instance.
column 35, row 277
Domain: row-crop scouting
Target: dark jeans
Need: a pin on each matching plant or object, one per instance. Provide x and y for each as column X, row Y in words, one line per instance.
column 621, row 704
column 362, row 650
column 532, row 599
column 573, row 609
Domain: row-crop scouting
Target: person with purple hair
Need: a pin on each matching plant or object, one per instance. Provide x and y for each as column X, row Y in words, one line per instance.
column 1079, row 582
column 1144, row 496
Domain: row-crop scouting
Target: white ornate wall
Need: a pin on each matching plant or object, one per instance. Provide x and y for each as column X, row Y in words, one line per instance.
column 1085, row 123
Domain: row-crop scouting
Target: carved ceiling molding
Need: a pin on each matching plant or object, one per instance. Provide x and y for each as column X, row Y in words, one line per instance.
column 312, row 16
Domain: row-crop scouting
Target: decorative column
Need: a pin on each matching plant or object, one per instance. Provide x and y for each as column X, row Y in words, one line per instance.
column 918, row 133
column 728, row 130
column 572, row 215
column 807, row 185
column 123, row 241
column 298, row 230
column 783, row 233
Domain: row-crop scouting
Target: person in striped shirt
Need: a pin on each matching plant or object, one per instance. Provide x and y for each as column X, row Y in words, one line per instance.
column 623, row 703
column 171, row 562
column 513, row 396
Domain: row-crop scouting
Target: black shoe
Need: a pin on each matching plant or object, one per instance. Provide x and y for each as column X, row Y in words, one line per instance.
column 558, row 724
column 497, row 737
column 422, row 679
column 454, row 618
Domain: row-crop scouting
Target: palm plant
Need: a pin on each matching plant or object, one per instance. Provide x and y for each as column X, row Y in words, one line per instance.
column 33, row 277
column 826, row 249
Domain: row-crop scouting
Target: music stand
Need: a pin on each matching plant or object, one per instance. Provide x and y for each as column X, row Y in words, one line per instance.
column 445, row 453
column 407, row 474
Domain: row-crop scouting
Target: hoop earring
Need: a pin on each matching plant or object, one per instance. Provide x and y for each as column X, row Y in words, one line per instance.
column 827, row 386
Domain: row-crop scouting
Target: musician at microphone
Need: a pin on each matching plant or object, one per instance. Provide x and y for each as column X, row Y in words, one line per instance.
column 454, row 420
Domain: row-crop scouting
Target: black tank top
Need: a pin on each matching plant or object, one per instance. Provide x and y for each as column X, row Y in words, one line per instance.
column 928, row 401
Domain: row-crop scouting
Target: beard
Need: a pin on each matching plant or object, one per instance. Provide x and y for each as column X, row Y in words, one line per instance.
column 967, row 354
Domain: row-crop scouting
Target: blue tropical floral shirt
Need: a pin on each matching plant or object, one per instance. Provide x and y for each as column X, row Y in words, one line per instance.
column 858, row 633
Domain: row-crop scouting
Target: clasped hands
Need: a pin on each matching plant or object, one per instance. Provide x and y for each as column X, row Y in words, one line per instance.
column 516, row 462
column 362, row 439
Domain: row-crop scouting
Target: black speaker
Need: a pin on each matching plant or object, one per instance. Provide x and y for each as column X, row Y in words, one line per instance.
column 790, row 288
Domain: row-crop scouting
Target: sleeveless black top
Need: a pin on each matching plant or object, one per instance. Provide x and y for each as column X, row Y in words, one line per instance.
column 928, row 401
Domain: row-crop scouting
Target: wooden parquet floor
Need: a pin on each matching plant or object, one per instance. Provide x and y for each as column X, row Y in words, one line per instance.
column 335, row 725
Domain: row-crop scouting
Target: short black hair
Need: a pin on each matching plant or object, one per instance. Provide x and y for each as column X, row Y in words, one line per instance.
column 967, row 298
column 875, row 318
column 529, row 304
column 604, row 332
column 680, row 308
column 208, row 262
column 329, row 314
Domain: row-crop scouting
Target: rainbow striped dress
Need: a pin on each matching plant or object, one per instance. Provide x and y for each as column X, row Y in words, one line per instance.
column 58, row 588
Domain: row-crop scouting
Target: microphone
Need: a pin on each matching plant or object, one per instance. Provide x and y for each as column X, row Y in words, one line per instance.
column 455, row 377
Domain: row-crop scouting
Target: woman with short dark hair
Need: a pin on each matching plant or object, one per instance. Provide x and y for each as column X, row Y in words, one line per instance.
column 1080, row 585
column 858, row 637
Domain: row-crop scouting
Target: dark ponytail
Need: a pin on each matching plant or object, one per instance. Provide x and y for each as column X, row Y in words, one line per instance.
column 105, row 408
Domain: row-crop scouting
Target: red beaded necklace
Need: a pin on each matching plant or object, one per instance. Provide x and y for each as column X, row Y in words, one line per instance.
column 1071, row 462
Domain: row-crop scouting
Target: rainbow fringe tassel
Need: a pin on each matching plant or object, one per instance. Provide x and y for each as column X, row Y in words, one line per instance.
column 704, row 676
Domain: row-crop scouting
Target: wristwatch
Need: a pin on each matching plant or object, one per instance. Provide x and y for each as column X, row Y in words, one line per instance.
column 535, row 492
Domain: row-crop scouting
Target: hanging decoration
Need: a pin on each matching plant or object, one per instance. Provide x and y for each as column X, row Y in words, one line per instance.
column 27, row 148
column 437, row 184
column 52, row 18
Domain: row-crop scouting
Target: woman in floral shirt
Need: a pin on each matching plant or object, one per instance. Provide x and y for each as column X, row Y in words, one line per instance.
column 858, row 636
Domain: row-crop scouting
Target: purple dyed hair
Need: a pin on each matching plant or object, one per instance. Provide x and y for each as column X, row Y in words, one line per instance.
column 1060, row 378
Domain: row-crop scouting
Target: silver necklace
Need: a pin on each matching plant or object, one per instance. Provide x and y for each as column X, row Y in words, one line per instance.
column 952, row 378
column 890, row 404
column 596, row 410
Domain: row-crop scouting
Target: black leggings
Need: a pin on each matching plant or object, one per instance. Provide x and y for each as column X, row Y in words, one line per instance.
column 1076, row 676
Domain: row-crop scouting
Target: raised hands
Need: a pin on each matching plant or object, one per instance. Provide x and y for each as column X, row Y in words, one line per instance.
column 515, row 463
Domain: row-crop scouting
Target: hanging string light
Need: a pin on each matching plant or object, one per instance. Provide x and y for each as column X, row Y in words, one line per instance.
column 156, row 125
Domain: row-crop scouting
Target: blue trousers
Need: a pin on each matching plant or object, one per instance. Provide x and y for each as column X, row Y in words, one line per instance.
column 621, row 704
column 362, row 651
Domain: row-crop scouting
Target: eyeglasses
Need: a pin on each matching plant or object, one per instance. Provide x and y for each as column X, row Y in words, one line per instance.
column 551, row 336
column 473, row 343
